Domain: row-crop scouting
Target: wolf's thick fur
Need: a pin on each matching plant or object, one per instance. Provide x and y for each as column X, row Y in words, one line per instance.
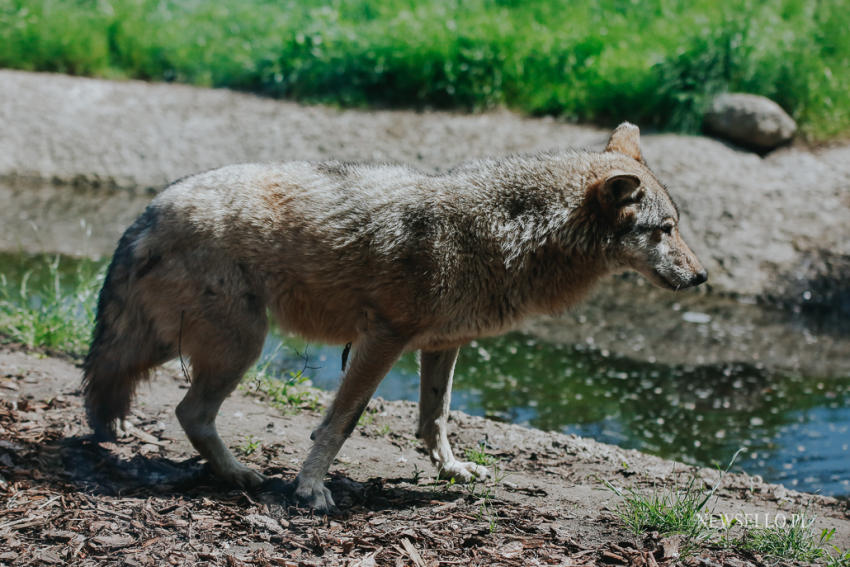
column 385, row 257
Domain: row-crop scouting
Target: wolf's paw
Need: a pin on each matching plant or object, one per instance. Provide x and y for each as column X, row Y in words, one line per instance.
column 122, row 428
column 242, row 477
column 110, row 431
column 463, row 471
column 314, row 494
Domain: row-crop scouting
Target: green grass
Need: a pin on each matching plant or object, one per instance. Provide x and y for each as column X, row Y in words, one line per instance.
column 795, row 539
column 688, row 510
column 480, row 457
column 49, row 302
column 367, row 418
column 655, row 62
column 676, row 510
column 251, row 445
column 287, row 393
column 50, row 306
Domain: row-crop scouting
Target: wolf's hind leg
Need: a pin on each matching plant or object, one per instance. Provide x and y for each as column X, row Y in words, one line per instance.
column 217, row 366
column 197, row 413
column 373, row 357
column 436, row 370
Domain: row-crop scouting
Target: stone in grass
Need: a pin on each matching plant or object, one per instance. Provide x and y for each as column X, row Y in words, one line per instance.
column 751, row 121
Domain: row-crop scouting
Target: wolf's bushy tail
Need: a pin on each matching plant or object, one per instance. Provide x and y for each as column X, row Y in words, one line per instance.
column 123, row 343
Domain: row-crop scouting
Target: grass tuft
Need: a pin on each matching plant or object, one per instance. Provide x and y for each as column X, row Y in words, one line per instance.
column 685, row 510
column 51, row 307
column 479, row 456
column 287, row 393
column 673, row 510
column 796, row 540
column 251, row 445
column 678, row 510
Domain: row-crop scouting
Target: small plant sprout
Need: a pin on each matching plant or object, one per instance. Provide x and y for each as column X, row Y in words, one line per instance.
column 484, row 499
column 251, row 445
column 287, row 393
column 485, row 512
column 479, row 456
column 417, row 473
column 367, row 418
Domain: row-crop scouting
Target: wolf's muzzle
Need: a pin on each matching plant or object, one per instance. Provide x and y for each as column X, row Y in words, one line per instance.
column 700, row 277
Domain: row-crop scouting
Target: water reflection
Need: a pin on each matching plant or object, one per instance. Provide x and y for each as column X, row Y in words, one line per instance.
column 794, row 428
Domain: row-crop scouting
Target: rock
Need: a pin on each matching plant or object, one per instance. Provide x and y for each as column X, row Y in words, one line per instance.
column 670, row 547
column 613, row 558
column 113, row 541
column 779, row 493
column 749, row 120
column 265, row 522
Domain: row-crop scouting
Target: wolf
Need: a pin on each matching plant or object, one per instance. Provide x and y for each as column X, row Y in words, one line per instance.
column 384, row 257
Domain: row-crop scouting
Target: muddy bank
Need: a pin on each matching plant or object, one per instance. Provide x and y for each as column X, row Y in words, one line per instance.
column 771, row 227
column 145, row 500
column 628, row 317
column 81, row 158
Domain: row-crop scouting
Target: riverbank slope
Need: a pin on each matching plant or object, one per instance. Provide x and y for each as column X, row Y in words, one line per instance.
column 145, row 500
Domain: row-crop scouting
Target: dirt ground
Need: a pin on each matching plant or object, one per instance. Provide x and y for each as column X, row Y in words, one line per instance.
column 147, row 500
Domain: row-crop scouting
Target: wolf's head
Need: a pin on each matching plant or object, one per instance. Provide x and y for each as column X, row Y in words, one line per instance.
column 642, row 221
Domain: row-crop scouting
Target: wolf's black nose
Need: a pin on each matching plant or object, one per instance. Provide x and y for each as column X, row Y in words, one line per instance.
column 699, row 278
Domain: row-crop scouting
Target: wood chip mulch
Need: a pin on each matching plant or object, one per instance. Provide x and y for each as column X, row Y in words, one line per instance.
column 65, row 500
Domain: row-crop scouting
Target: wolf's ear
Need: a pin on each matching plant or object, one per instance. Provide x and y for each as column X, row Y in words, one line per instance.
column 621, row 189
column 625, row 139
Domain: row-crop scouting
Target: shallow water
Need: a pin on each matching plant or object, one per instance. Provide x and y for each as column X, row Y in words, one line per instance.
column 794, row 429
column 793, row 424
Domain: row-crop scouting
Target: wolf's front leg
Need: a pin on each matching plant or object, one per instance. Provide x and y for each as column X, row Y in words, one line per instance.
column 436, row 370
column 373, row 358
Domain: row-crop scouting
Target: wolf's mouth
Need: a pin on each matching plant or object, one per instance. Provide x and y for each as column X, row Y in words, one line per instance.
column 666, row 283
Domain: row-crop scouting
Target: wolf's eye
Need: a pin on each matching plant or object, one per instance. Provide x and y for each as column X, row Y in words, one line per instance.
column 667, row 227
